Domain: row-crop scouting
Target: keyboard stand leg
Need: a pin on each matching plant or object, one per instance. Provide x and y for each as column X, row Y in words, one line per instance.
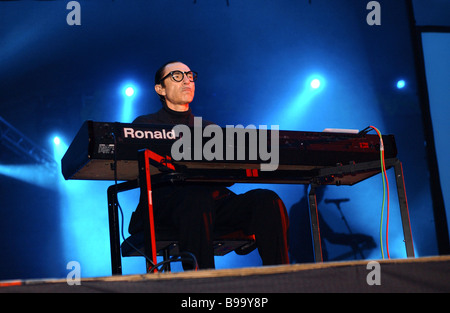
column 404, row 212
column 113, row 216
column 116, row 263
column 146, row 193
column 315, row 230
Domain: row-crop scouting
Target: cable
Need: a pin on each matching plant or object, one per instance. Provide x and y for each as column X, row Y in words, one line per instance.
column 178, row 258
column 382, row 208
column 385, row 189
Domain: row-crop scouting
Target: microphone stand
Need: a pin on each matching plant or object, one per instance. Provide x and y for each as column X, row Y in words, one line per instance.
column 337, row 202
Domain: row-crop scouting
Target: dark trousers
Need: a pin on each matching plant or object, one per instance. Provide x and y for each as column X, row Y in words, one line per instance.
column 199, row 212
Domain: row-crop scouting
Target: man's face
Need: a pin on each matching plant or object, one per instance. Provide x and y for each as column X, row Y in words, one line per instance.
column 178, row 94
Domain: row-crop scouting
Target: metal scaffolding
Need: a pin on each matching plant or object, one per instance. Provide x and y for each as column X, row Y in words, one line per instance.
column 18, row 143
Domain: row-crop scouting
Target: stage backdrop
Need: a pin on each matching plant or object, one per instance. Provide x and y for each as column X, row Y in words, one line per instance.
column 61, row 65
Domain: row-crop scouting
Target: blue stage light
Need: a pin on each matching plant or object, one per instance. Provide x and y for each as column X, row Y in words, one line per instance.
column 35, row 174
column 309, row 88
column 315, row 83
column 56, row 140
column 59, row 148
column 129, row 91
column 401, row 84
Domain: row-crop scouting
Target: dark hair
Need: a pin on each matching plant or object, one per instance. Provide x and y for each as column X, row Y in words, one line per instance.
column 159, row 76
column 159, row 72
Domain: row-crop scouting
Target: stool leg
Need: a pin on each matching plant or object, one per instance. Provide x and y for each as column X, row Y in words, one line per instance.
column 166, row 256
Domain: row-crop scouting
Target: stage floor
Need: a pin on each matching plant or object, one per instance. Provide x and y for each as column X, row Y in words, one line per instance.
column 427, row 274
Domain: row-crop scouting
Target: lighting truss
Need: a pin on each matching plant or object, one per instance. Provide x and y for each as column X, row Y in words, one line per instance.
column 17, row 142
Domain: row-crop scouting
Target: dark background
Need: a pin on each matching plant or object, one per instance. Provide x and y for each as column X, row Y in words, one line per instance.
column 254, row 59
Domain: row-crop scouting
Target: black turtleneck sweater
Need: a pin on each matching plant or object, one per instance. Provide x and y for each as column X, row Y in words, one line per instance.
column 167, row 116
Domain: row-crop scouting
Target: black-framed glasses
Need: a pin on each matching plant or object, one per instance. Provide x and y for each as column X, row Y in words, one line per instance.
column 178, row 76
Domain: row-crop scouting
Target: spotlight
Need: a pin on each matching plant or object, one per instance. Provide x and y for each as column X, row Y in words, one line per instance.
column 315, row 83
column 129, row 91
column 401, row 84
column 56, row 140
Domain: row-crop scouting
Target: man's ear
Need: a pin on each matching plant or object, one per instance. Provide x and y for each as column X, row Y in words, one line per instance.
column 160, row 90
